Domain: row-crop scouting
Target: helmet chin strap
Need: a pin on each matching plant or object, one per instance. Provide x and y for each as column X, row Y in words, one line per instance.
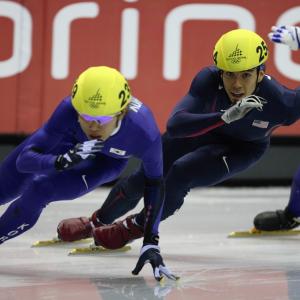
column 119, row 122
column 258, row 69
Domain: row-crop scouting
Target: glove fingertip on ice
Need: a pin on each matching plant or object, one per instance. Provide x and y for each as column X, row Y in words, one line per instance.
column 176, row 278
column 135, row 271
column 161, row 280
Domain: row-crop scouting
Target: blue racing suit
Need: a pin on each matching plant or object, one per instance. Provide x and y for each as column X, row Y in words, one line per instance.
column 30, row 181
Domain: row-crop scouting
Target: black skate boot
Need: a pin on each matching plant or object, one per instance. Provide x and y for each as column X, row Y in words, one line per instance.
column 276, row 220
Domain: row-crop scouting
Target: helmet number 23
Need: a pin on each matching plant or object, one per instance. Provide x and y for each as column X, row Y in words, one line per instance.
column 262, row 50
column 124, row 94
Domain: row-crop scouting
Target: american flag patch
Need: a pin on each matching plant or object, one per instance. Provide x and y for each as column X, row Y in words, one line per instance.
column 117, row 151
column 260, row 124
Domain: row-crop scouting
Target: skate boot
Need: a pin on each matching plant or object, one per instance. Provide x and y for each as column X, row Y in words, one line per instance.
column 74, row 229
column 118, row 234
column 276, row 220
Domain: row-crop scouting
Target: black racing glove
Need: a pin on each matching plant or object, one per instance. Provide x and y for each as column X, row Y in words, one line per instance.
column 79, row 153
column 151, row 254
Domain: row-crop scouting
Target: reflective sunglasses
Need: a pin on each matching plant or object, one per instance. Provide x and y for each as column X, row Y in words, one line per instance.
column 100, row 119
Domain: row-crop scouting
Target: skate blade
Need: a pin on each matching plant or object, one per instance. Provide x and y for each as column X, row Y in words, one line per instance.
column 256, row 233
column 92, row 249
column 55, row 242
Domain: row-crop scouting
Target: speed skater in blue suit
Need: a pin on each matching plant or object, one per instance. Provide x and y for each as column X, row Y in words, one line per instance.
column 87, row 142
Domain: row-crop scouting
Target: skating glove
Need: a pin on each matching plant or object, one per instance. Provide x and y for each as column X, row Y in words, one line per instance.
column 79, row 153
column 151, row 254
column 288, row 35
column 242, row 107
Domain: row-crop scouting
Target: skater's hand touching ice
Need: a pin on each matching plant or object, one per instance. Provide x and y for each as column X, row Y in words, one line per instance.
column 151, row 254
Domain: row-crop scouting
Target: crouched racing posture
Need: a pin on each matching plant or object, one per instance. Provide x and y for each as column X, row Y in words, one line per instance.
column 221, row 127
column 86, row 142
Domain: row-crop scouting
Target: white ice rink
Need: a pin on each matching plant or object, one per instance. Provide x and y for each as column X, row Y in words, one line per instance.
column 194, row 245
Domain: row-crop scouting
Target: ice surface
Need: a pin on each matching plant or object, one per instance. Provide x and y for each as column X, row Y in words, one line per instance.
column 194, row 245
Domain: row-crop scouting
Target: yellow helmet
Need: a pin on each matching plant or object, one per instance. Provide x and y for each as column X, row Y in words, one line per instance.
column 240, row 50
column 100, row 91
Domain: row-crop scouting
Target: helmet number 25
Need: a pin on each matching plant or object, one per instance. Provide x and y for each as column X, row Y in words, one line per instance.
column 124, row 94
column 262, row 50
